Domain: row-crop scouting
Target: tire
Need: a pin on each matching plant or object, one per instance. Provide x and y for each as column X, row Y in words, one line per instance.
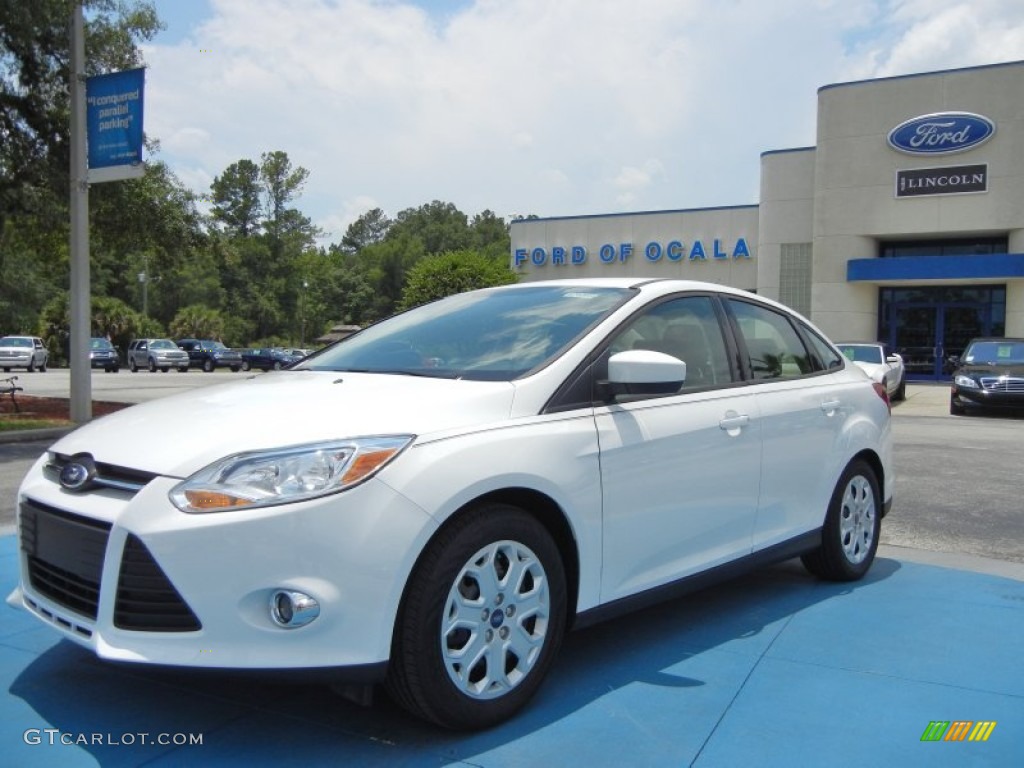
column 955, row 409
column 182, row 369
column 208, row 365
column 465, row 572
column 901, row 391
column 245, row 365
column 152, row 365
column 7, row 370
column 42, row 368
column 849, row 538
column 165, row 369
column 32, row 365
column 277, row 365
column 132, row 366
column 234, row 369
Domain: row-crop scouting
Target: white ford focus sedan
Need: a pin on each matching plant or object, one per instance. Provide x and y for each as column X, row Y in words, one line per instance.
column 433, row 502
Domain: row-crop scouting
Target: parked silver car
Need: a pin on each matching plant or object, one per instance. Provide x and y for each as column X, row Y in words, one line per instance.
column 23, row 352
column 156, row 354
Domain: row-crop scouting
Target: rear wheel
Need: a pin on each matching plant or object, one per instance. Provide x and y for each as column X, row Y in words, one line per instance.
column 849, row 538
column 277, row 365
column 482, row 619
column 182, row 369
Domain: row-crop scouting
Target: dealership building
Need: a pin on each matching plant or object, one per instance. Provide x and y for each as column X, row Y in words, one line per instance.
column 903, row 224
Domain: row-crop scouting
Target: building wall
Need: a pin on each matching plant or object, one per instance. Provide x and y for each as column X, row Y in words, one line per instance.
column 835, row 201
column 855, row 170
column 618, row 245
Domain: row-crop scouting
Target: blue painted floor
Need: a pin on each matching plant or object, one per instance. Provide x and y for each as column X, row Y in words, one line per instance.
column 772, row 669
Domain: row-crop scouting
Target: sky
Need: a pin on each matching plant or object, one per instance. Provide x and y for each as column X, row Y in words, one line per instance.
column 544, row 107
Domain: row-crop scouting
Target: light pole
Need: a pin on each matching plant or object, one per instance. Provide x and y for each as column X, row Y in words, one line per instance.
column 302, row 314
column 145, row 278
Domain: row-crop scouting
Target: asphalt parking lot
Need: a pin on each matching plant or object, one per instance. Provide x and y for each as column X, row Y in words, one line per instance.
column 772, row 669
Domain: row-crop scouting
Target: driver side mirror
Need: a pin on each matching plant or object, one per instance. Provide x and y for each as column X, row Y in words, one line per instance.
column 644, row 372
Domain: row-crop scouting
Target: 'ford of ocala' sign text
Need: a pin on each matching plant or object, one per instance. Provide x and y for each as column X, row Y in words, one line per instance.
column 941, row 133
column 654, row 251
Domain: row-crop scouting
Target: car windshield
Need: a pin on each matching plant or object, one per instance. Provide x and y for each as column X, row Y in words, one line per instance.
column 213, row 345
column 995, row 353
column 162, row 344
column 862, row 353
column 491, row 335
column 14, row 341
column 100, row 344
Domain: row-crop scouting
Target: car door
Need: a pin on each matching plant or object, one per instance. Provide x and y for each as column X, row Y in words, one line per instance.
column 679, row 472
column 802, row 416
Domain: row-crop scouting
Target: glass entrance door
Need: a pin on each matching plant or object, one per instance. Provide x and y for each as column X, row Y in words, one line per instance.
column 929, row 325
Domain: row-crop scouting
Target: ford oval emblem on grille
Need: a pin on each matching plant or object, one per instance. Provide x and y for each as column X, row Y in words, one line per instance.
column 941, row 133
column 78, row 473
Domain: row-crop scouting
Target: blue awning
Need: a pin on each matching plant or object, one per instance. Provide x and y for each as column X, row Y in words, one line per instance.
column 987, row 266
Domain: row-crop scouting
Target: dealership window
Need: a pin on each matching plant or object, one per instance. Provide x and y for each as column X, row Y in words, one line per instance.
column 969, row 246
column 795, row 277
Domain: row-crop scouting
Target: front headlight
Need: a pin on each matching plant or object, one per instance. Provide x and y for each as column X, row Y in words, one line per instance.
column 285, row 475
column 966, row 382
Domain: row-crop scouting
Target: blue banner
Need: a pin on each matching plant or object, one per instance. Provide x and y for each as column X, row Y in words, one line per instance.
column 114, row 118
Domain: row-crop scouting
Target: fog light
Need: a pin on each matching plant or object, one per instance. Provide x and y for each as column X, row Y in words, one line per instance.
column 290, row 609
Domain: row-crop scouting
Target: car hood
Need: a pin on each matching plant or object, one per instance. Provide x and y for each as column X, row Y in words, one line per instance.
column 992, row 369
column 180, row 434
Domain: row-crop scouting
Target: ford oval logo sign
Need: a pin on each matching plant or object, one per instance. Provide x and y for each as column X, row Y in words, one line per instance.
column 941, row 133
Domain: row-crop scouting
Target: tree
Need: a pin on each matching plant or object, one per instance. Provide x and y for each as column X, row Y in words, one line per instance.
column 236, row 199
column 372, row 227
column 197, row 322
column 441, row 275
column 34, row 93
column 438, row 226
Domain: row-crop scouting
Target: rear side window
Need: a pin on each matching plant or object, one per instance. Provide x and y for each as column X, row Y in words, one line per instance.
column 773, row 347
column 827, row 357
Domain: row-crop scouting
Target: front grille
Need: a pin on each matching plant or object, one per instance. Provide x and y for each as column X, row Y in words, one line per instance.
column 107, row 475
column 65, row 555
column 1003, row 384
column 146, row 599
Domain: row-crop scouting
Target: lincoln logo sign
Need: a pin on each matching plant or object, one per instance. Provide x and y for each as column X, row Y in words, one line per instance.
column 941, row 133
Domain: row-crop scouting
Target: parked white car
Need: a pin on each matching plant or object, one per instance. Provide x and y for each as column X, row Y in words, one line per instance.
column 27, row 352
column 433, row 502
column 886, row 369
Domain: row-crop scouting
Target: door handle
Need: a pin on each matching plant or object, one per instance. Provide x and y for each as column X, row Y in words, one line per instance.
column 830, row 406
column 734, row 422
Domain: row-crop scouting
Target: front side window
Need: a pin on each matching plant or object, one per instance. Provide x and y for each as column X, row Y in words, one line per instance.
column 774, row 348
column 687, row 329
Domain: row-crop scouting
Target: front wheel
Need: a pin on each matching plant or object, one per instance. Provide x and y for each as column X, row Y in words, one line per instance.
column 901, row 391
column 849, row 538
column 245, row 365
column 152, row 365
column 955, row 409
column 132, row 366
column 208, row 365
column 482, row 619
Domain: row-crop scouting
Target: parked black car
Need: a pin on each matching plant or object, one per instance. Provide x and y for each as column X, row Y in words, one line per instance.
column 103, row 354
column 267, row 358
column 989, row 374
column 209, row 354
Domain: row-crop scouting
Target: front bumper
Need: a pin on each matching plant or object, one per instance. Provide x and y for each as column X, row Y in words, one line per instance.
column 986, row 398
column 127, row 587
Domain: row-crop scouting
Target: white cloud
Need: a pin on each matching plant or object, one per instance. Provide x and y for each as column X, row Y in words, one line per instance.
column 535, row 106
